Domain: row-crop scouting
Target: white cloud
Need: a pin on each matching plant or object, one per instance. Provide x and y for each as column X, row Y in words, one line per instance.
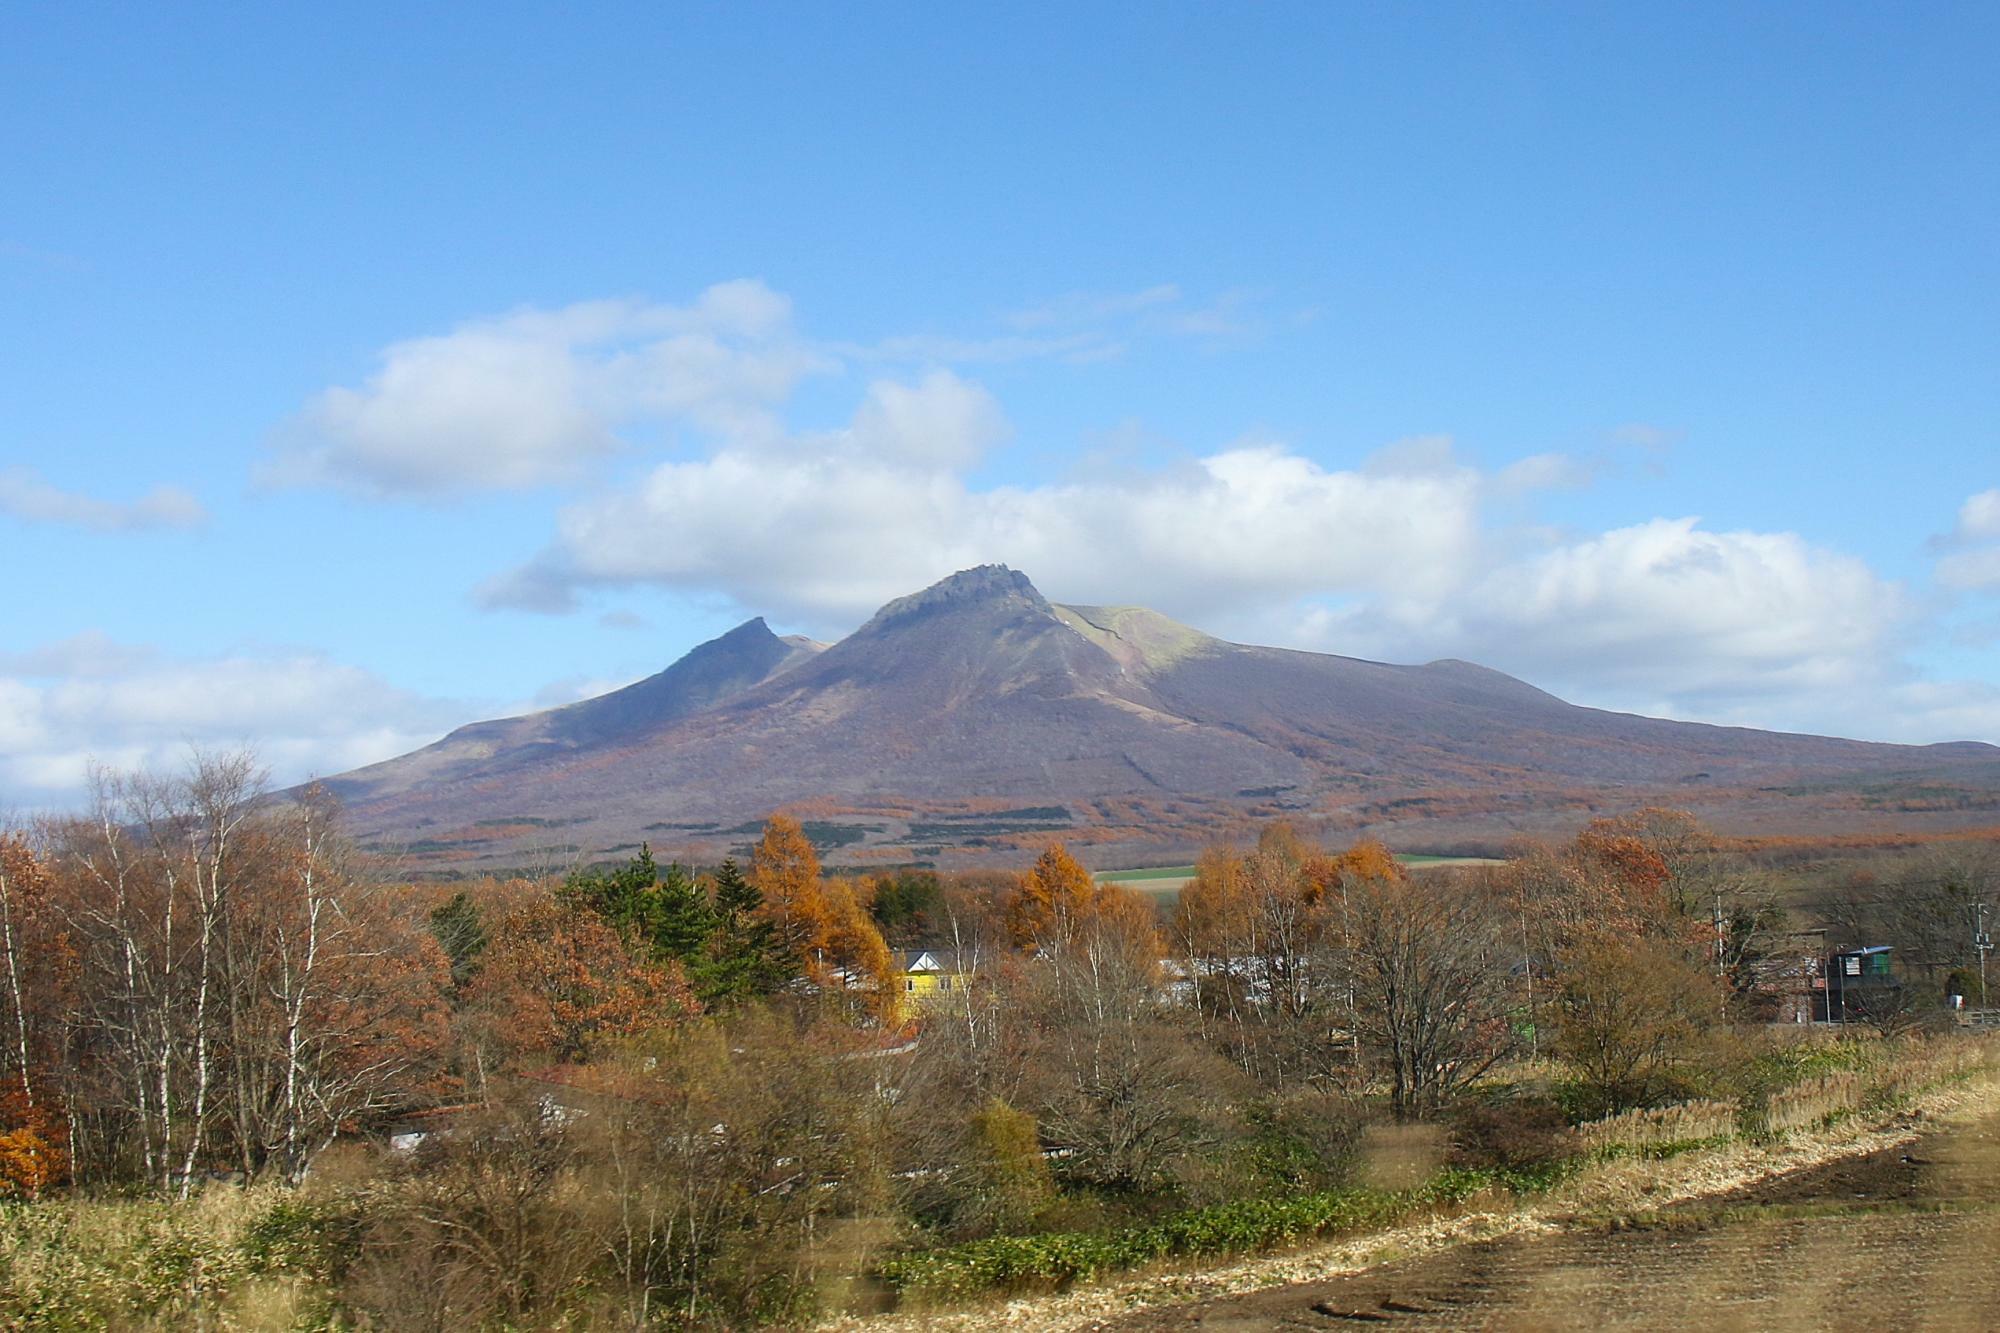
column 532, row 398
column 1639, row 434
column 1971, row 570
column 1107, row 319
column 1972, row 561
column 940, row 421
column 20, row 716
column 945, row 349
column 1233, row 314
column 574, row 689
column 1545, row 472
column 90, row 654
column 538, row 397
column 1664, row 608
column 1924, row 711
column 830, row 526
column 1078, row 327
column 1076, row 308
column 58, row 260
column 1979, row 517
column 25, row 495
column 89, row 698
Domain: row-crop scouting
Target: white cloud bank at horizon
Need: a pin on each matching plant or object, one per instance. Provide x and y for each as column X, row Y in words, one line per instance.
column 1668, row 606
column 92, row 700
column 1413, row 554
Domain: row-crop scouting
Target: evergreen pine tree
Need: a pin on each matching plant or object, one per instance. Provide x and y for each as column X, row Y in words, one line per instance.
column 461, row 933
column 745, row 958
column 682, row 920
column 624, row 898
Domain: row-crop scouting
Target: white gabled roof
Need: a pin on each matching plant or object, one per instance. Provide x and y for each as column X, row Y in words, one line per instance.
column 945, row 962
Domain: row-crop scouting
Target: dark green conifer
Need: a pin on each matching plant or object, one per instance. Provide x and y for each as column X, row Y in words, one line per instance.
column 461, row 933
column 681, row 919
column 744, row 958
column 624, row 897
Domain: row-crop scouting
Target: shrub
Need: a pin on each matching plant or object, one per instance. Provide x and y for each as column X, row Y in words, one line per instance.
column 297, row 1234
column 1633, row 1018
column 1301, row 1141
column 1057, row 1260
column 1008, row 1170
column 1787, row 1063
column 1511, row 1134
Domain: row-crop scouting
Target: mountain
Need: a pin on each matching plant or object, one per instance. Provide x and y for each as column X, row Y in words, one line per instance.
column 711, row 674
column 976, row 718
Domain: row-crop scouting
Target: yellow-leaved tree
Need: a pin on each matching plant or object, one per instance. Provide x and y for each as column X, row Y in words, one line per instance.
column 785, row 870
column 857, row 959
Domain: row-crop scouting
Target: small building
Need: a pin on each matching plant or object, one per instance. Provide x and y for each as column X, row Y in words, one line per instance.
column 1785, row 985
column 927, row 975
column 1859, row 981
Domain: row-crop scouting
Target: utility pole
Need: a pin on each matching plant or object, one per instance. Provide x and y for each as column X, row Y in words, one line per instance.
column 1982, row 942
column 1528, row 970
column 1718, row 934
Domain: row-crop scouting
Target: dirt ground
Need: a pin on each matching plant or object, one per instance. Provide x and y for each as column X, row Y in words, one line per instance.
column 1903, row 1238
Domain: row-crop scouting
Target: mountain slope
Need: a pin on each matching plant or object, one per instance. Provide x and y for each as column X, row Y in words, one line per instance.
column 949, row 704
column 711, row 674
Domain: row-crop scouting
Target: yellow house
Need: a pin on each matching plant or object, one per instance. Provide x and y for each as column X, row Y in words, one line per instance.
column 928, row 976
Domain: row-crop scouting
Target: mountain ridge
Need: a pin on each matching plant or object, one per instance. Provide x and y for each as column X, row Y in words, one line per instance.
column 979, row 690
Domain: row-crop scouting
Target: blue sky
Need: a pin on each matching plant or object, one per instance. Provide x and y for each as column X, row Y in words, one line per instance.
column 364, row 372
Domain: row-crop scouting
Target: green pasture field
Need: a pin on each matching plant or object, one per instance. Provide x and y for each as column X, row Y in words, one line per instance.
column 1419, row 859
column 1155, row 872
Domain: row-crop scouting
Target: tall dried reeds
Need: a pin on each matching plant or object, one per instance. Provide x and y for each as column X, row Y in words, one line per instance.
column 1815, row 1101
column 1922, row 1065
column 1660, row 1127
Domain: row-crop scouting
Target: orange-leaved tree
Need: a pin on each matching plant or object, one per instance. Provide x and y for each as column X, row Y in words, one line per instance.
column 785, row 870
column 1367, row 859
column 36, row 969
column 1608, row 880
column 1213, row 920
column 1051, row 901
column 556, row 981
column 34, row 1153
column 858, row 962
column 1634, row 1017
